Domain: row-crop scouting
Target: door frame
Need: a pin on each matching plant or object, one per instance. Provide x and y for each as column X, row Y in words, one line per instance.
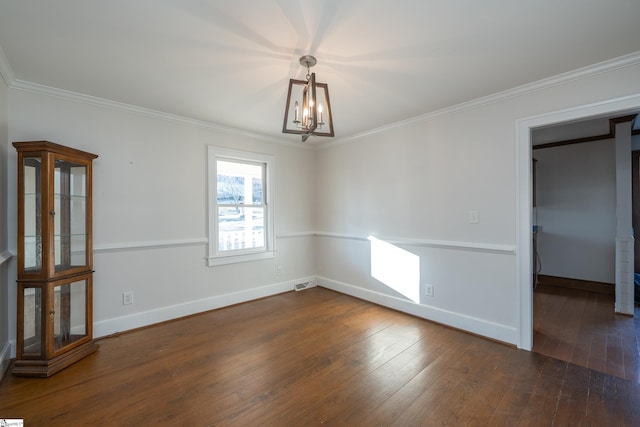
column 635, row 202
column 524, row 235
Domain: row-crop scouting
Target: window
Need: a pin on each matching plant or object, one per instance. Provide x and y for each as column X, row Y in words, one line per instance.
column 240, row 212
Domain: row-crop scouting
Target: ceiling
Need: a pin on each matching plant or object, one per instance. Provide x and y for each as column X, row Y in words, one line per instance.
column 229, row 62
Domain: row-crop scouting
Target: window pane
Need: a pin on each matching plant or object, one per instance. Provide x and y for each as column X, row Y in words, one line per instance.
column 230, row 189
column 239, row 183
column 257, row 191
column 240, row 228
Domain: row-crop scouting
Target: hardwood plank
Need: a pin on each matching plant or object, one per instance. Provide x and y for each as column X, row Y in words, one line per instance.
column 572, row 403
column 472, row 400
column 517, row 406
column 345, row 373
column 614, row 360
column 433, row 379
column 581, row 327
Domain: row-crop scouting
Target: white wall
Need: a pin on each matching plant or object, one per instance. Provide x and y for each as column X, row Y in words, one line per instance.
column 5, row 259
column 150, row 209
column 415, row 185
column 576, row 210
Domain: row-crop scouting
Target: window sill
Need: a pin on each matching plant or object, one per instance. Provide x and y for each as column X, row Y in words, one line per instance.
column 235, row 259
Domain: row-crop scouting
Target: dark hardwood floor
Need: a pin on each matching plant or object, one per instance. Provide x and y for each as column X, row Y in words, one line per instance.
column 581, row 327
column 316, row 357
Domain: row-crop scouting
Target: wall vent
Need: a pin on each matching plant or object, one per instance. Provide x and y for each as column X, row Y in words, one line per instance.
column 301, row 286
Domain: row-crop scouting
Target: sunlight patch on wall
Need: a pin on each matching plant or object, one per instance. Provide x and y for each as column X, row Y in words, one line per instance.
column 396, row 268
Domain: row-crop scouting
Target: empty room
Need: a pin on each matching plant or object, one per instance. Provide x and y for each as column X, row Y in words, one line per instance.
column 294, row 213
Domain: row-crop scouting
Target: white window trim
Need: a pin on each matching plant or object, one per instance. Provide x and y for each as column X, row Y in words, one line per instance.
column 215, row 258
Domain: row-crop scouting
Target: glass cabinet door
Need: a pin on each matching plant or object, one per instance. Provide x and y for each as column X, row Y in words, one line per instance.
column 69, row 313
column 32, row 321
column 70, row 215
column 32, row 217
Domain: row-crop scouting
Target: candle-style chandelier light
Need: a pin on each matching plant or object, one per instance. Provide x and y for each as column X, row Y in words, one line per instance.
column 310, row 113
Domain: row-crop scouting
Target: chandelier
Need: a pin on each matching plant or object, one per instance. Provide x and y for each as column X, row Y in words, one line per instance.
column 310, row 113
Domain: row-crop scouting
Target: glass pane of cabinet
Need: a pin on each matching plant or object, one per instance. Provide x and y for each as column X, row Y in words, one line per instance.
column 32, row 325
column 32, row 170
column 69, row 313
column 70, row 215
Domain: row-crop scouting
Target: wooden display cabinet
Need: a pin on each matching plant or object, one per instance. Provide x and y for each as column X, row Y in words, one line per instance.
column 55, row 259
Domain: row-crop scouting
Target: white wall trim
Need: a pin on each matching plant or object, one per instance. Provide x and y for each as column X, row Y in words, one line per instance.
column 295, row 235
column 136, row 320
column 471, row 324
column 5, row 358
column 176, row 243
column 441, row 244
column 5, row 256
column 156, row 244
column 524, row 126
column 560, row 79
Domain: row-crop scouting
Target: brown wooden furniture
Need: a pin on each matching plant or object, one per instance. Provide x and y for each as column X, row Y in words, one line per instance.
column 55, row 262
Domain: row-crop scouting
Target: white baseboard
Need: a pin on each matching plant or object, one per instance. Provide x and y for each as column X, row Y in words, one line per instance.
column 5, row 359
column 495, row 331
column 471, row 324
column 146, row 318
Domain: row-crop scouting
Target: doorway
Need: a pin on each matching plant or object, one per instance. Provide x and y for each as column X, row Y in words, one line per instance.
column 575, row 214
column 524, row 226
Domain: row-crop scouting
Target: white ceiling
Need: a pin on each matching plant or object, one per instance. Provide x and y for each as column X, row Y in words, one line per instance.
column 229, row 62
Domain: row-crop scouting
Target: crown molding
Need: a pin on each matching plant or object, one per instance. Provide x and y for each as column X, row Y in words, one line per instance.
column 5, row 70
column 560, row 79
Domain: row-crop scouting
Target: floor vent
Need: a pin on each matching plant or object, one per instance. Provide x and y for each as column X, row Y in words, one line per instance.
column 301, row 286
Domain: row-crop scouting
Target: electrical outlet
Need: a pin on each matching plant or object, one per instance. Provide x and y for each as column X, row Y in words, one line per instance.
column 279, row 270
column 428, row 290
column 127, row 298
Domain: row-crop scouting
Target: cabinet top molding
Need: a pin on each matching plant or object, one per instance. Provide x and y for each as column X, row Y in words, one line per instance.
column 36, row 146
